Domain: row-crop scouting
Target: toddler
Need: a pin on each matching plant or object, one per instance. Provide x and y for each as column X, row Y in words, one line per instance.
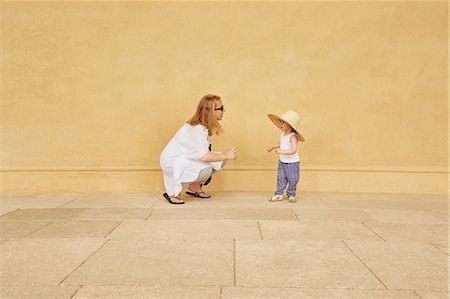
column 289, row 163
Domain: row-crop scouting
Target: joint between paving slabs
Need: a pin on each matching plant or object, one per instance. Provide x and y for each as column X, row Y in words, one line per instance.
column 234, row 261
column 37, row 229
column 415, row 293
column 323, row 202
column 155, row 202
column 76, row 291
column 10, row 212
column 351, row 250
column 260, row 232
column 62, row 281
column 296, row 216
column 440, row 250
column 62, row 205
column 149, row 215
column 368, row 227
column 112, row 230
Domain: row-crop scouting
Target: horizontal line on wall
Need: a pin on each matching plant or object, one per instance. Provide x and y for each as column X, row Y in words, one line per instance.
column 232, row 168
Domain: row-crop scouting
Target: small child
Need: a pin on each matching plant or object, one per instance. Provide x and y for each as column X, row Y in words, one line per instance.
column 289, row 163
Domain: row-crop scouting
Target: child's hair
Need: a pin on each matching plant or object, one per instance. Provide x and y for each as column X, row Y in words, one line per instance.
column 205, row 114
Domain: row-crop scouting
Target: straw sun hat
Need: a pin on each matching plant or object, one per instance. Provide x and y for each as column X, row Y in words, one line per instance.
column 292, row 118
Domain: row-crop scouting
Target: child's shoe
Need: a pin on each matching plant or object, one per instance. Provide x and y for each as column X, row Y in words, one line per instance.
column 292, row 199
column 276, row 198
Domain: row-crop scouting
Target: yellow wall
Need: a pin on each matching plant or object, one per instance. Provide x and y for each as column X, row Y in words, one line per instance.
column 92, row 91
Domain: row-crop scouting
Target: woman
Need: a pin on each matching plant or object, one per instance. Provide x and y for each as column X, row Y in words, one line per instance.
column 187, row 160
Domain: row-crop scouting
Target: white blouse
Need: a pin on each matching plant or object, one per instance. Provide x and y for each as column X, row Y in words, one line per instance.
column 182, row 156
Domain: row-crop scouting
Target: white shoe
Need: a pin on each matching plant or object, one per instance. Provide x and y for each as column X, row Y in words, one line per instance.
column 292, row 199
column 276, row 198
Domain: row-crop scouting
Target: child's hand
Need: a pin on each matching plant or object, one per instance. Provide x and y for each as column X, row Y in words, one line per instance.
column 277, row 151
column 270, row 148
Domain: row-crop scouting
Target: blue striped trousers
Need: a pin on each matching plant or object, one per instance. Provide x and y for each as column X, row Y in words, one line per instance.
column 288, row 173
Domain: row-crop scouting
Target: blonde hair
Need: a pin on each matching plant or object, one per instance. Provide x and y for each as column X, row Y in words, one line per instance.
column 205, row 114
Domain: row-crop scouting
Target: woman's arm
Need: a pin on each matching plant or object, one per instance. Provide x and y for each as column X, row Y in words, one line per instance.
column 215, row 157
column 212, row 157
column 292, row 150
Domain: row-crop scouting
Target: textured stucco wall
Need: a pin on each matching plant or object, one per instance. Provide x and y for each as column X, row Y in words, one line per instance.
column 92, row 91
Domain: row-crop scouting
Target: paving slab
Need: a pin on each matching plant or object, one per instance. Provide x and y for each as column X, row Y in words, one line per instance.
column 244, row 195
column 18, row 194
column 300, row 204
column 340, row 195
column 11, row 203
column 289, row 230
column 433, row 295
column 433, row 233
column 306, row 264
column 393, row 197
column 75, row 214
column 6, row 209
column 153, row 262
column 19, row 229
column 46, row 261
column 359, row 203
column 63, row 197
column 406, row 265
column 243, row 200
column 331, row 215
column 295, row 293
column 405, row 216
column 41, row 215
column 424, row 204
column 148, row 292
column 148, row 252
column 121, row 200
column 189, row 230
column 442, row 247
column 76, row 229
column 392, row 202
column 442, row 215
column 224, row 213
column 36, row 291
column 432, row 196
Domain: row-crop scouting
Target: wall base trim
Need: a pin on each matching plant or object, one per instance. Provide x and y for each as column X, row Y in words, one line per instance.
column 229, row 180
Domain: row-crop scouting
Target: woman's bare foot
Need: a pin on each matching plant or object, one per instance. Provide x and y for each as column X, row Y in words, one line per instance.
column 197, row 187
column 176, row 199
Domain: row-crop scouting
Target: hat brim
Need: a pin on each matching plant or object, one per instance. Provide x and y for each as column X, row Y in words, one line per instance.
column 277, row 121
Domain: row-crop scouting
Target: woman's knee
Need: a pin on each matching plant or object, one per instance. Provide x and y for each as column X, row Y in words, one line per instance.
column 205, row 174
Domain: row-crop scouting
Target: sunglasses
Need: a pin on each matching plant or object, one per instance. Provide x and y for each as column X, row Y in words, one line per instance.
column 221, row 109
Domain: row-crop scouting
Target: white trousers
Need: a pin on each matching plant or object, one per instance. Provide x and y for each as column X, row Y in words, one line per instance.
column 203, row 176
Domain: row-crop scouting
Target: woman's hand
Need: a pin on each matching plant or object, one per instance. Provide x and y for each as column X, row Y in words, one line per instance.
column 231, row 155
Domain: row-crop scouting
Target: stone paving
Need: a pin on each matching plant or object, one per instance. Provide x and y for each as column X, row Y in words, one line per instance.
column 233, row 245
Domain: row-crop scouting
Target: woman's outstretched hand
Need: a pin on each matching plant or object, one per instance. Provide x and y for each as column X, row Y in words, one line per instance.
column 232, row 154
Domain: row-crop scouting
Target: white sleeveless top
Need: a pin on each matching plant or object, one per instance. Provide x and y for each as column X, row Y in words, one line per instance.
column 285, row 144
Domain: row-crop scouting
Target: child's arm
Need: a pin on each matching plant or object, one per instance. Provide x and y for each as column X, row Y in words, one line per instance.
column 272, row 147
column 292, row 150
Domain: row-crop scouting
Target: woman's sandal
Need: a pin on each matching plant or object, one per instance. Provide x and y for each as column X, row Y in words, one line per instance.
column 198, row 194
column 166, row 196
